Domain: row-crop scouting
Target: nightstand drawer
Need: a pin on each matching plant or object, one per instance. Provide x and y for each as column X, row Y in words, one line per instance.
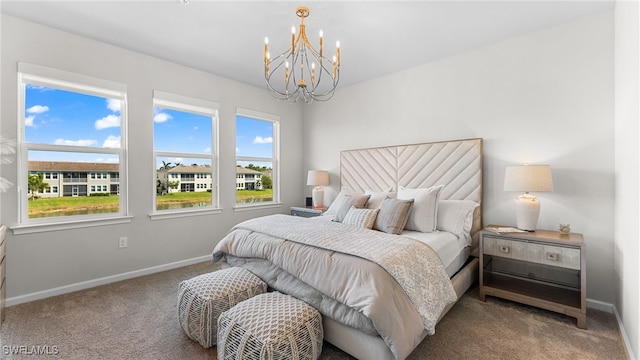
column 560, row 256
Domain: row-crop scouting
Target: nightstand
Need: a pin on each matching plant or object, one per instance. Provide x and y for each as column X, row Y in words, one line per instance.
column 542, row 268
column 306, row 211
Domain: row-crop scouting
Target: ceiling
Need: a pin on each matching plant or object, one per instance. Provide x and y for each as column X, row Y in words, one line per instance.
column 227, row 37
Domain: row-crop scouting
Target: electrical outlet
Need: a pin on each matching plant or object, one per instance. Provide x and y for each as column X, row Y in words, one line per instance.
column 122, row 242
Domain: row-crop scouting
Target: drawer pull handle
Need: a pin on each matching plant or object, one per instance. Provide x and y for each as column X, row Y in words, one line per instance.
column 553, row 256
column 504, row 249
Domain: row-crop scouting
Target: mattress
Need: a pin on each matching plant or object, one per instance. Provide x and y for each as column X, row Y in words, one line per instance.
column 453, row 251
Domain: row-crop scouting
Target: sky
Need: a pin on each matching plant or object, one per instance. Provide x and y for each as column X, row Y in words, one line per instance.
column 60, row 117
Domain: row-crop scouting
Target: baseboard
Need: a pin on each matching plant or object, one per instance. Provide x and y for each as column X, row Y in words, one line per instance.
column 600, row 305
column 102, row 281
column 610, row 308
column 625, row 338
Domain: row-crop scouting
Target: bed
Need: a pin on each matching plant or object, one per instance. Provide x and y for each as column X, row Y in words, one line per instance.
column 383, row 284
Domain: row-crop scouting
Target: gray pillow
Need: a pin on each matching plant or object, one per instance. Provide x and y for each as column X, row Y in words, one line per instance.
column 393, row 215
column 358, row 202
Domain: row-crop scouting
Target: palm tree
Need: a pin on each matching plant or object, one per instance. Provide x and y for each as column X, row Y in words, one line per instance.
column 37, row 184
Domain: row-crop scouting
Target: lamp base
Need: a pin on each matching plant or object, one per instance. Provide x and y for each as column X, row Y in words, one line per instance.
column 318, row 197
column 527, row 213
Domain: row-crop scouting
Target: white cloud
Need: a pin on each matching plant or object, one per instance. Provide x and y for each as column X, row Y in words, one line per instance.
column 111, row 142
column 207, row 150
column 107, row 122
column 38, row 109
column 161, row 117
column 28, row 121
column 114, row 105
column 261, row 140
column 76, row 142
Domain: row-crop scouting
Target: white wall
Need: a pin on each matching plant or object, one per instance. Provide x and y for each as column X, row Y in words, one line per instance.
column 44, row 261
column 627, row 199
column 545, row 97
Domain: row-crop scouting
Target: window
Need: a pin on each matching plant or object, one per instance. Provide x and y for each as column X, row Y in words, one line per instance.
column 71, row 126
column 185, row 152
column 256, row 158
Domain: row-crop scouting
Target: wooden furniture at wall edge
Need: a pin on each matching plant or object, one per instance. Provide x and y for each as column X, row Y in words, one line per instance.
column 3, row 272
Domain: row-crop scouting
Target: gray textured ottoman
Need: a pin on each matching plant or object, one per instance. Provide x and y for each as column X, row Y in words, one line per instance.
column 203, row 298
column 270, row 326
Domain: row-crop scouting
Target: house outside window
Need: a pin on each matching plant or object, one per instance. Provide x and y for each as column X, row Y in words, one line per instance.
column 185, row 153
column 70, row 126
column 257, row 158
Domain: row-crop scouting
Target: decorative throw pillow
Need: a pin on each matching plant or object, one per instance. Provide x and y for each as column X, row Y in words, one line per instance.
column 361, row 217
column 377, row 197
column 456, row 216
column 393, row 215
column 349, row 201
column 424, row 212
column 337, row 202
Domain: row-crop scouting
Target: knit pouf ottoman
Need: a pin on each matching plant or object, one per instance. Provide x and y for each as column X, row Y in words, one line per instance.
column 203, row 298
column 270, row 326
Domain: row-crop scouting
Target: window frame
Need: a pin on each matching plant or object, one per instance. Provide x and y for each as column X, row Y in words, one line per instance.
column 275, row 160
column 67, row 81
column 201, row 107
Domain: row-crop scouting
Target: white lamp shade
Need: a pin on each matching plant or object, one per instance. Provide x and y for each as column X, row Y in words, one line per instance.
column 318, row 177
column 528, row 178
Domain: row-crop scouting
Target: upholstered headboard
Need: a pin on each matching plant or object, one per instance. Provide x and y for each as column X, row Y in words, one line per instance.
column 455, row 164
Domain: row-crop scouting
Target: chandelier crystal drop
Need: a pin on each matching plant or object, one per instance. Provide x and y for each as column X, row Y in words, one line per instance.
column 301, row 72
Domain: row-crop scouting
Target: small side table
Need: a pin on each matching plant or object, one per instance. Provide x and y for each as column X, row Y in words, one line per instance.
column 306, row 211
column 546, row 269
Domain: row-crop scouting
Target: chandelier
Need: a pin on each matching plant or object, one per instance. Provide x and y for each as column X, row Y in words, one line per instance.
column 301, row 72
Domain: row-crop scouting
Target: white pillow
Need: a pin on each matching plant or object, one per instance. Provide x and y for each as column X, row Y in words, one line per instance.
column 361, row 217
column 424, row 212
column 377, row 197
column 337, row 202
column 456, row 216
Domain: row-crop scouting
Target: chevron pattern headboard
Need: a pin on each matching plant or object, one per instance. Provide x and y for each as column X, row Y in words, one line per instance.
column 455, row 164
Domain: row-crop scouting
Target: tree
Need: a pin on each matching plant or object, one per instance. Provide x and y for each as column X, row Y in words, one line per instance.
column 165, row 165
column 37, row 184
column 266, row 182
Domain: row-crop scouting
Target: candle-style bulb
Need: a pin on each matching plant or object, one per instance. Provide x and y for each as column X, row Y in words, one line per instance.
column 266, row 40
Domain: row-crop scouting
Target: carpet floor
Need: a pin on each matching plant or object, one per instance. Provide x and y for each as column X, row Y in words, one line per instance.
column 136, row 319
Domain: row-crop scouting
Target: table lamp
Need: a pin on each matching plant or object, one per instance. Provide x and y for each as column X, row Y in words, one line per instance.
column 318, row 178
column 527, row 178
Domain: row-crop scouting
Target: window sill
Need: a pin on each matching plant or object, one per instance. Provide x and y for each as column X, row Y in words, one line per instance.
column 168, row 214
column 257, row 206
column 68, row 225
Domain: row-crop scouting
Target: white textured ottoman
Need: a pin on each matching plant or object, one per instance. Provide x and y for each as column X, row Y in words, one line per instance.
column 270, row 326
column 203, row 298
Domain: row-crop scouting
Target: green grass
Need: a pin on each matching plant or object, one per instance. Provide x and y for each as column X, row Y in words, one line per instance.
column 80, row 205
